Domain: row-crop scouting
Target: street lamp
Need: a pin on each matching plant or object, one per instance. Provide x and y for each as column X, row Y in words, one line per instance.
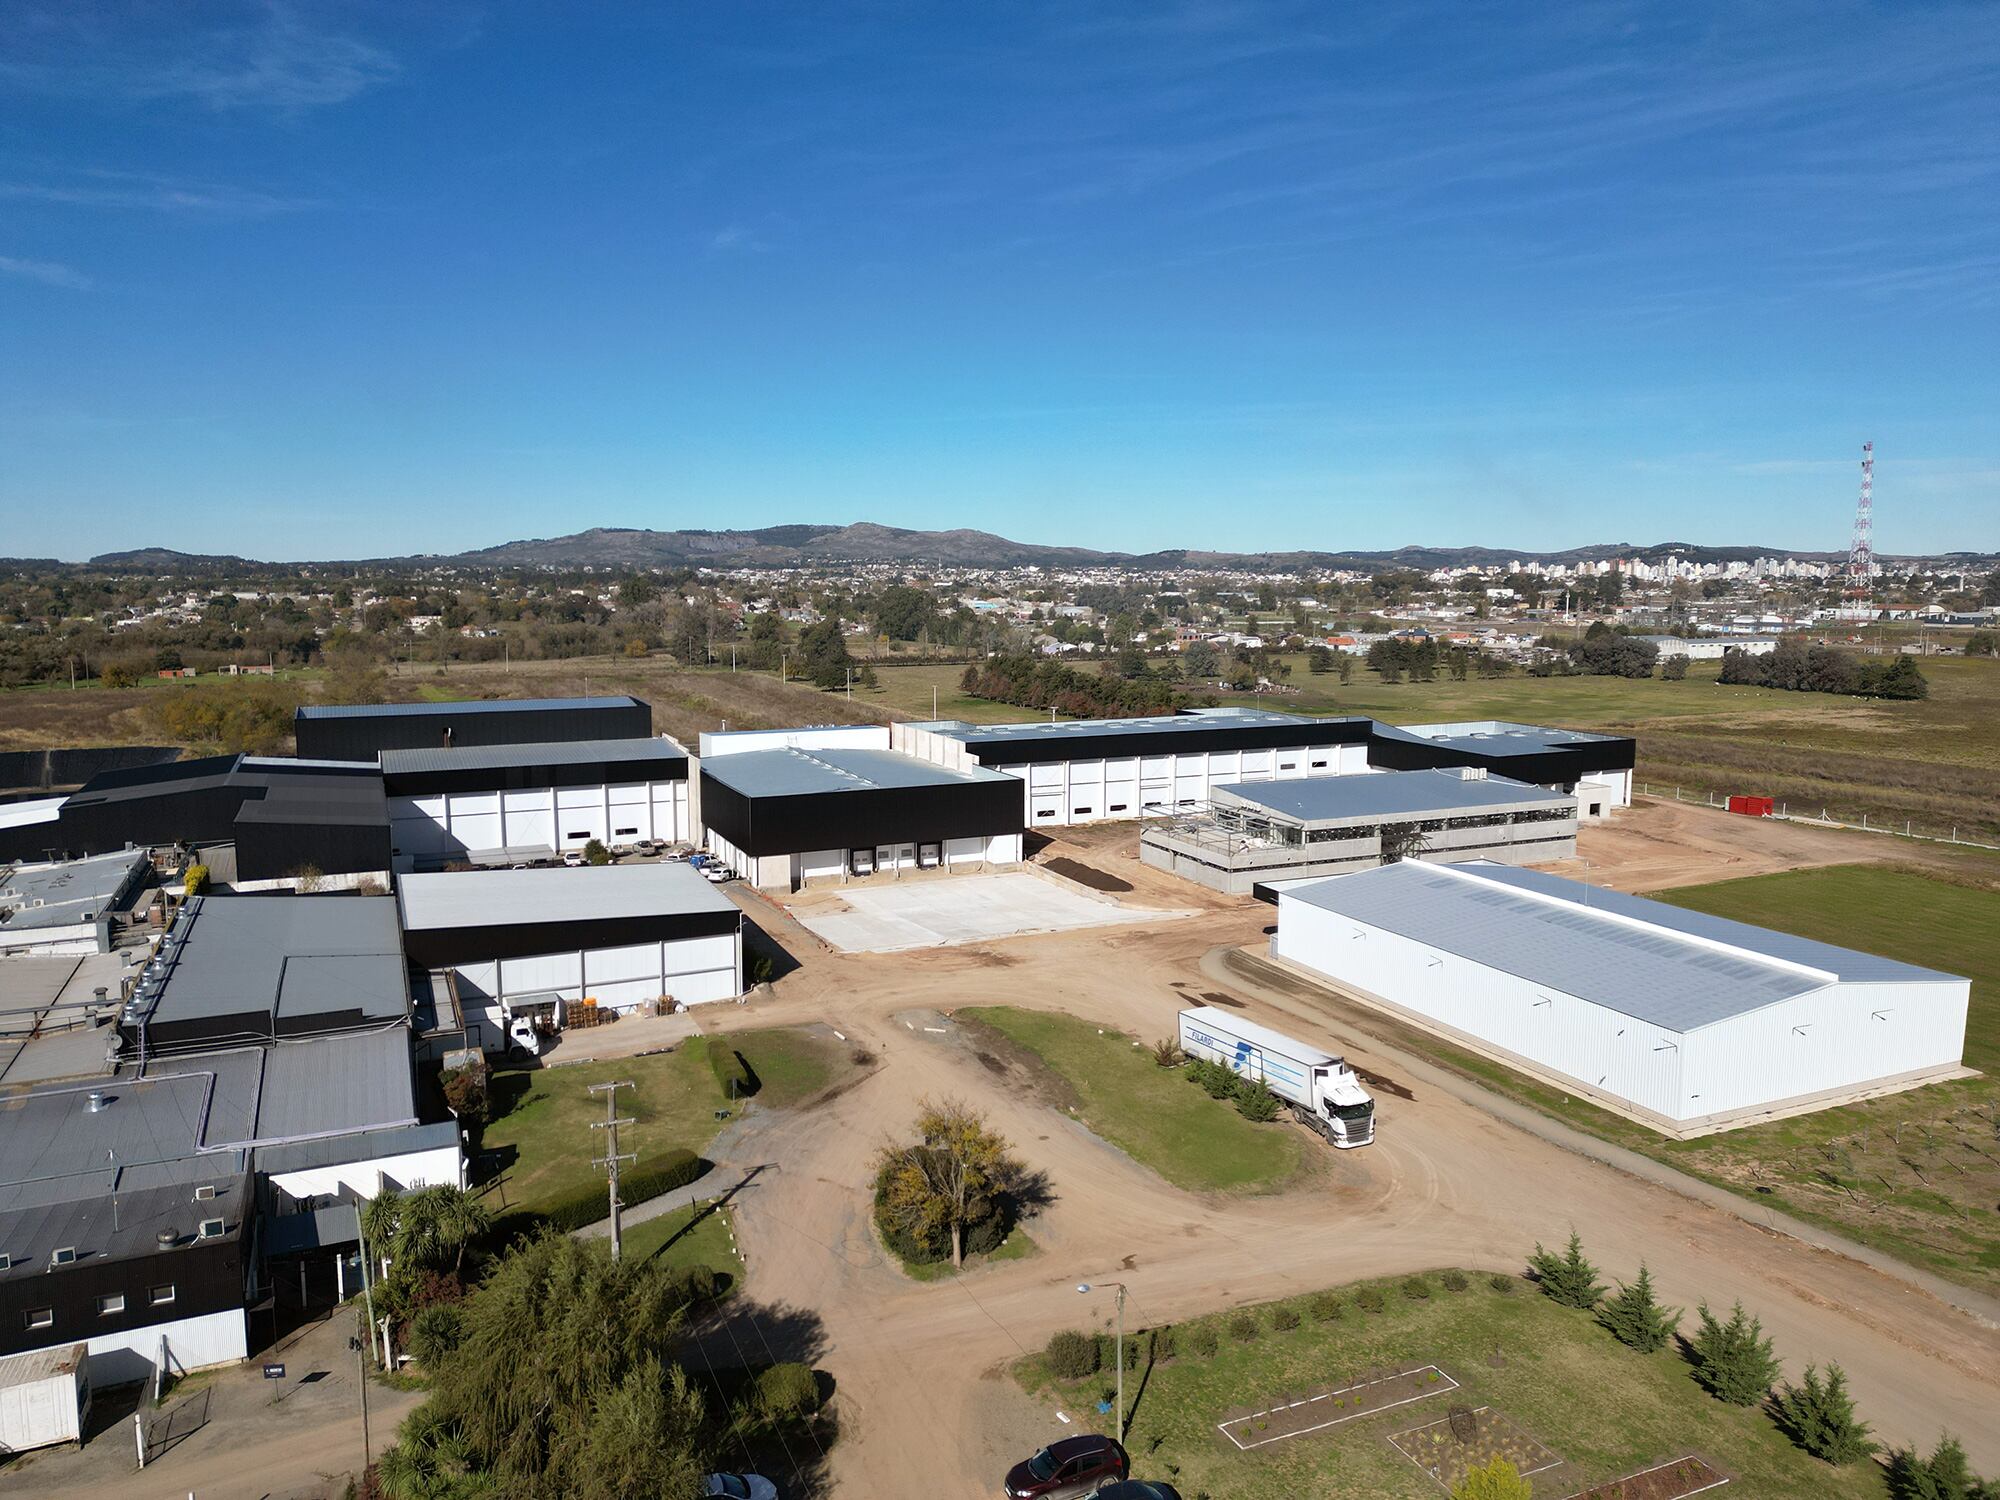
column 1083, row 1288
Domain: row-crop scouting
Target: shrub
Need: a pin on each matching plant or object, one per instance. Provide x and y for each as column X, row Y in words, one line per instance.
column 1502, row 1283
column 1945, row 1475
column 1071, row 1355
column 435, row 1333
column 1369, row 1299
column 1217, row 1081
column 1167, row 1053
column 1256, row 1102
column 1416, row 1289
column 1498, row 1480
column 195, row 880
column 465, row 1092
column 1454, row 1281
column 1165, row 1343
column 595, row 853
column 1243, row 1327
column 733, row 1073
column 1284, row 1319
column 1325, row 1307
column 1204, row 1340
column 1733, row 1361
column 656, row 1175
column 787, row 1393
column 1107, row 1352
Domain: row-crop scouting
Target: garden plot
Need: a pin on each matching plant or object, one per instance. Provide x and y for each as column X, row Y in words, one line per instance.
column 1320, row 1411
column 1674, row 1480
column 1469, row 1439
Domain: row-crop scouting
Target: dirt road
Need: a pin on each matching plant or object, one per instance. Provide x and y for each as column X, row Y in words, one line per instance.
column 918, row 1366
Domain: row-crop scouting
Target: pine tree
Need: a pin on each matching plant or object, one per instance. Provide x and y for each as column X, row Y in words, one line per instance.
column 1818, row 1415
column 1733, row 1361
column 1945, row 1475
column 1567, row 1278
column 1636, row 1319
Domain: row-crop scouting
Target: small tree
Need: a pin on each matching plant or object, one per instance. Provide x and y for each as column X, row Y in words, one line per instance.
column 1498, row 1480
column 195, row 880
column 1167, row 1053
column 1733, row 1361
column 948, row 1178
column 1674, row 669
column 1567, row 1278
column 1071, row 1355
column 596, row 853
column 1636, row 1319
column 1818, row 1415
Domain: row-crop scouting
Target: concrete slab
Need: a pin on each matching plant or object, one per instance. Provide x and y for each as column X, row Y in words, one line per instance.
column 964, row 909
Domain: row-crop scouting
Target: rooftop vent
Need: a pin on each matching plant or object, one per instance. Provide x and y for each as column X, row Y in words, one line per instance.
column 165, row 1239
column 211, row 1229
column 96, row 1103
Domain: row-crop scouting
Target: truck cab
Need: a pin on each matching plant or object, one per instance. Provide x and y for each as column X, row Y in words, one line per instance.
column 1344, row 1112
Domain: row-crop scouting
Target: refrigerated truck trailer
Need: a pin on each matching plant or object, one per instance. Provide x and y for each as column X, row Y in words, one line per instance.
column 1321, row 1088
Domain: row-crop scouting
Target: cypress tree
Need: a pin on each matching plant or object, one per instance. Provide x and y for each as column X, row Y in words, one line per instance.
column 1636, row 1318
column 1733, row 1361
column 1567, row 1278
column 1818, row 1415
column 1945, row 1475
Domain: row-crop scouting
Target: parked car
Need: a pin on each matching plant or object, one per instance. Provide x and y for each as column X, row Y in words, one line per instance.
column 573, row 859
column 716, row 873
column 651, row 846
column 1136, row 1489
column 1070, row 1467
column 740, row 1487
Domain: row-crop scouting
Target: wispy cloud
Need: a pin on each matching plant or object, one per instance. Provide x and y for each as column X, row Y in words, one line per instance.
column 736, row 237
column 130, row 190
column 273, row 56
column 47, row 272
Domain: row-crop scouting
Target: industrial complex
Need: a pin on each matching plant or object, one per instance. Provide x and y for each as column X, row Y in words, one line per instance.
column 204, row 1089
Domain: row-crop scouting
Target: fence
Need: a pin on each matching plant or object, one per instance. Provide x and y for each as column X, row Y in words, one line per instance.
column 1823, row 819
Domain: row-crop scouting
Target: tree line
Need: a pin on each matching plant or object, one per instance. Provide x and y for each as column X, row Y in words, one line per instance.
column 1796, row 667
column 1038, row 682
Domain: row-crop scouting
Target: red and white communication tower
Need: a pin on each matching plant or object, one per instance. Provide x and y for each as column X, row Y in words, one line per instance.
column 1861, row 551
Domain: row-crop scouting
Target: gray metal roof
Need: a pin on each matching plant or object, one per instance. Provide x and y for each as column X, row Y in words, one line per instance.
column 1631, row 955
column 460, row 706
column 335, row 1085
column 797, row 773
column 366, row 1146
column 499, row 898
column 1389, row 794
column 557, row 753
column 1493, row 736
column 1189, row 722
column 69, row 893
column 295, row 955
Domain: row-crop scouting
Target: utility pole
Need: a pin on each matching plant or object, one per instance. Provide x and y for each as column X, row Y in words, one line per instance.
column 1118, row 1348
column 361, row 1372
column 609, row 1124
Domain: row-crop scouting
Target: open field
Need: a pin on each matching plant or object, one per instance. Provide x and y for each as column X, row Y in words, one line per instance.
column 1151, row 1113
column 1549, row 1374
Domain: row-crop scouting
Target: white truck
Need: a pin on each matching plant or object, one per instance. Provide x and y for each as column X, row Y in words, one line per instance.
column 1321, row 1089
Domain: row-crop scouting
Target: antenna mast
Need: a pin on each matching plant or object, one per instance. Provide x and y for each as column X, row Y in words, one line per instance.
column 1861, row 551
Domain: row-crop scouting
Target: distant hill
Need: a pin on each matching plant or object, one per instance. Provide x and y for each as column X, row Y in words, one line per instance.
column 616, row 549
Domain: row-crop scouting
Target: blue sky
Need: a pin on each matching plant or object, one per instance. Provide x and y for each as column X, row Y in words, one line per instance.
column 308, row 280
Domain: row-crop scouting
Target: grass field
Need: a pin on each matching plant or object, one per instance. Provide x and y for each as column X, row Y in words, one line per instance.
column 1017, row 1246
column 1153, row 1114
column 546, row 1132
column 1553, row 1372
column 688, row 1237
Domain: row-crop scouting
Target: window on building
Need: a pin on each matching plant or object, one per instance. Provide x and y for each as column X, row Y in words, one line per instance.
column 39, row 1317
column 1079, row 812
column 111, row 1305
column 1120, row 806
column 619, row 833
column 160, row 1296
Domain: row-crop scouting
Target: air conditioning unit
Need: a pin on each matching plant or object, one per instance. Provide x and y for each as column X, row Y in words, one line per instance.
column 203, row 1193
column 211, row 1229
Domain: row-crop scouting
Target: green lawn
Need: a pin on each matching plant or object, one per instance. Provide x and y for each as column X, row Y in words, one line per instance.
column 1017, row 1246
column 674, row 1102
column 1153, row 1114
column 1553, row 1372
column 670, row 1242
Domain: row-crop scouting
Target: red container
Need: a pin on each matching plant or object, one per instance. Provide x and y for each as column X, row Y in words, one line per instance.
column 1753, row 807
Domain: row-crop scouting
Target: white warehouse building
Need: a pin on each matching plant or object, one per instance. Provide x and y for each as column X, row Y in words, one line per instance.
column 1685, row 1022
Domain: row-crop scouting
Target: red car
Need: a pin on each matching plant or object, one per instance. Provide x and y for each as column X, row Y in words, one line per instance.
column 1073, row 1466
